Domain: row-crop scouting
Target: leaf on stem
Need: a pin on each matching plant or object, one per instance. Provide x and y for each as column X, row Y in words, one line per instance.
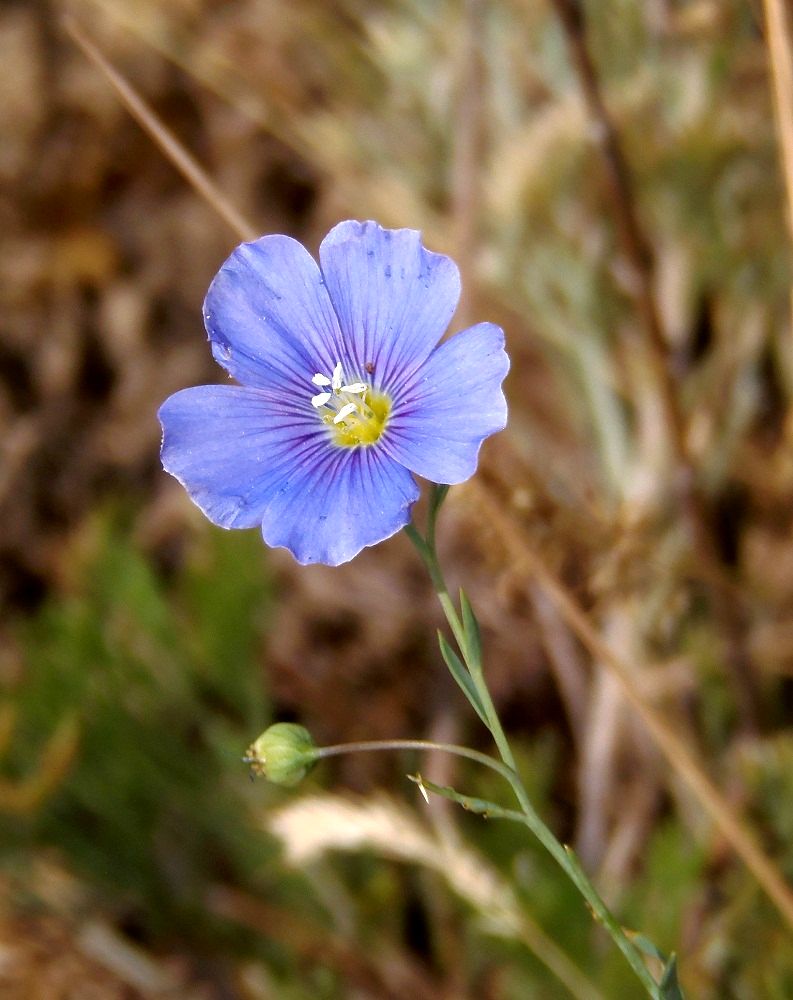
column 459, row 672
column 479, row 806
column 669, row 987
column 473, row 636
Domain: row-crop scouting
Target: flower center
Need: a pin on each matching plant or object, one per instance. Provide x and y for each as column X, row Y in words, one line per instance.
column 355, row 413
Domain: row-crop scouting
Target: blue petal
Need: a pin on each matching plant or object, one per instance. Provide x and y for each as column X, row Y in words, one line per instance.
column 394, row 299
column 269, row 317
column 450, row 406
column 230, row 447
column 327, row 510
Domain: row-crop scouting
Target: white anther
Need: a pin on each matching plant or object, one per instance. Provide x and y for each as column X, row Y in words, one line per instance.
column 320, row 379
column 344, row 412
column 338, row 377
column 320, row 399
column 356, row 388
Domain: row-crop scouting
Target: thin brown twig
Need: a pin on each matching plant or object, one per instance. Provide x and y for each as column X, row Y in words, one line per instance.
column 780, row 53
column 271, row 112
column 734, row 830
column 466, row 180
column 184, row 161
column 636, row 247
column 565, row 661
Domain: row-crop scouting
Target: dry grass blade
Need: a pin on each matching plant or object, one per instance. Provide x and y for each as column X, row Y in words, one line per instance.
column 184, row 162
column 777, row 34
column 313, row 825
column 23, row 796
column 637, row 249
column 324, row 141
column 734, row 830
column 468, row 155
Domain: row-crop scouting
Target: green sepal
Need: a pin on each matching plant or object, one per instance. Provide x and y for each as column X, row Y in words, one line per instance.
column 459, row 672
column 473, row 636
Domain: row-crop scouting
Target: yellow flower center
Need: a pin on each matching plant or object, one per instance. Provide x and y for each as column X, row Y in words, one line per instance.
column 355, row 413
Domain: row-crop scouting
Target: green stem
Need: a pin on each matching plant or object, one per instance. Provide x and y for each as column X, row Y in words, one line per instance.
column 430, row 560
column 529, row 818
column 366, row 746
column 563, row 856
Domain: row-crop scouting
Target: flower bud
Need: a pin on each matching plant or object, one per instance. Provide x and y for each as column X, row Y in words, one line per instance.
column 284, row 753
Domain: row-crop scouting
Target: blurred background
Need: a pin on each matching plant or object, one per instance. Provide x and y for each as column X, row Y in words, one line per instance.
column 607, row 176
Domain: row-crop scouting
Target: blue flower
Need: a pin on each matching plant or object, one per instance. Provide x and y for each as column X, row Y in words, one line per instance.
column 343, row 392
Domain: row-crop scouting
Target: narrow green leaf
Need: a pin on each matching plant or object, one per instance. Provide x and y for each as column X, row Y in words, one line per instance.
column 646, row 945
column 669, row 985
column 460, row 674
column 473, row 636
column 479, row 806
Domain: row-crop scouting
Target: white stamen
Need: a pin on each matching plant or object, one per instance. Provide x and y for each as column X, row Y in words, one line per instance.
column 344, row 412
column 350, row 415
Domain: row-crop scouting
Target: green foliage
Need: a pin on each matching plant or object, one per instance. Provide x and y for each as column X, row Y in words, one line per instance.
column 165, row 687
column 156, row 807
